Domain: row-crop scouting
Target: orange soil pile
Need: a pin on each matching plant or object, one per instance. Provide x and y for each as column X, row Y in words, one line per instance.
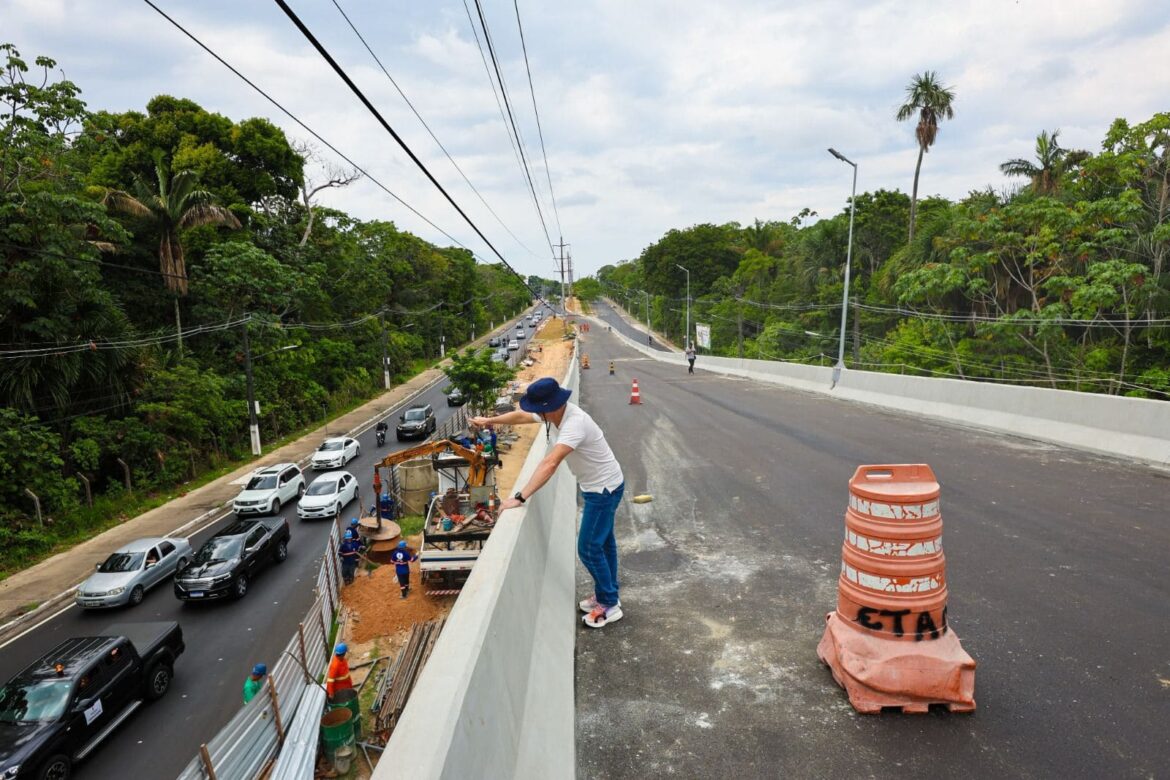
column 377, row 610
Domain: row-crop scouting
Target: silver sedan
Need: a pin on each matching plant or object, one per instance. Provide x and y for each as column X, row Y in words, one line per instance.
column 135, row 568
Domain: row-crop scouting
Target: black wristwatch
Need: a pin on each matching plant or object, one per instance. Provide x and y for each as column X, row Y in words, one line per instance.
column 519, row 496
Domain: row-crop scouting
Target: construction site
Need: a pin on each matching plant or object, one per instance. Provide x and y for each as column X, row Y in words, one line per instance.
column 444, row 507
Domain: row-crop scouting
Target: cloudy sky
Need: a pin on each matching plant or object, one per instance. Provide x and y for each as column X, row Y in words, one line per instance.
column 656, row 115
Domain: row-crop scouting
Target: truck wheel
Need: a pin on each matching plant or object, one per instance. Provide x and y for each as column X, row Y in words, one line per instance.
column 281, row 551
column 158, row 680
column 240, row 588
column 136, row 596
column 56, row 768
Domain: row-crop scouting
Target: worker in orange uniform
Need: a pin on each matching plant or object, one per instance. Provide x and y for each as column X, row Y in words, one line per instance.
column 338, row 677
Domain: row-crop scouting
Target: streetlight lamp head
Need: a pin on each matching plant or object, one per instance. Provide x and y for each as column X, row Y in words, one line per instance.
column 840, row 156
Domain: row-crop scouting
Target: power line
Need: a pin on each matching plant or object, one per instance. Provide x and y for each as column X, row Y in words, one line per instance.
column 539, row 130
column 428, row 128
column 397, row 138
column 306, row 128
column 487, row 36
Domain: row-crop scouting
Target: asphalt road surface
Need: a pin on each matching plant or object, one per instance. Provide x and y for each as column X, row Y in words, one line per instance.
column 1056, row 568
column 605, row 312
column 224, row 639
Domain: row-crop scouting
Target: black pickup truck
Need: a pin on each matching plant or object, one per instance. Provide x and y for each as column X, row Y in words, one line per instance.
column 56, row 711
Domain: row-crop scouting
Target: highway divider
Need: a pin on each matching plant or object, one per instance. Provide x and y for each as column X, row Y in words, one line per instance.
column 1137, row 428
column 251, row 740
column 496, row 697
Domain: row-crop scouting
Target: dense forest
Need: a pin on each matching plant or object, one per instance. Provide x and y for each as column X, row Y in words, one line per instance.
column 136, row 251
column 1060, row 281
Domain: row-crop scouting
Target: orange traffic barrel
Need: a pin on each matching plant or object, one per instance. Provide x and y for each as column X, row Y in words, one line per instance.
column 893, row 571
column 888, row 643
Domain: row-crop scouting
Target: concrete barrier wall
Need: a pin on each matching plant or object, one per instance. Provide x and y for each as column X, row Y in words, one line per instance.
column 496, row 697
column 1129, row 427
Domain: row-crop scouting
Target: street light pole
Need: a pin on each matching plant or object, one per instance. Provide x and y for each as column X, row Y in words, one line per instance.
column 647, row 296
column 385, row 356
column 848, row 262
column 253, row 422
column 253, row 418
column 687, row 338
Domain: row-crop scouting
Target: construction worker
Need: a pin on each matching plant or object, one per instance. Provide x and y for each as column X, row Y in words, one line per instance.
column 337, row 678
column 355, row 526
column 254, row 682
column 350, row 553
column 403, row 556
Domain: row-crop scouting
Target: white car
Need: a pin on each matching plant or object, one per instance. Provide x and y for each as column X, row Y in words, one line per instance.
column 269, row 488
column 328, row 494
column 513, row 345
column 335, row 453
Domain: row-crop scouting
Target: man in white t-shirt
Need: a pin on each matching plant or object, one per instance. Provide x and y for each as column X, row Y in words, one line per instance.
column 582, row 445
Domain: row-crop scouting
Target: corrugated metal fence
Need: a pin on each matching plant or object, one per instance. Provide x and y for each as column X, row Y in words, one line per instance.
column 246, row 746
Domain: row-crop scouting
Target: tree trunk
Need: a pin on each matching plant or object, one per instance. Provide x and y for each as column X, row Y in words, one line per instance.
column 739, row 327
column 179, row 327
column 914, row 192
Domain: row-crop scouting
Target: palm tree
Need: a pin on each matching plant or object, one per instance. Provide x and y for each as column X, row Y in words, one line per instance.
column 174, row 205
column 1053, row 161
column 931, row 102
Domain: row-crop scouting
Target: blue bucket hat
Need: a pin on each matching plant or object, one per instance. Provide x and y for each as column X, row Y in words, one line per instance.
column 544, row 395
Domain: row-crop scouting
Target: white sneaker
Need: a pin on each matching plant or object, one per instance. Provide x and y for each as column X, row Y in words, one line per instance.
column 588, row 605
column 602, row 616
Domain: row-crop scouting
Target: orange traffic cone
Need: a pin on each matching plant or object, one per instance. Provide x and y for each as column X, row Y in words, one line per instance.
column 888, row 643
column 635, row 396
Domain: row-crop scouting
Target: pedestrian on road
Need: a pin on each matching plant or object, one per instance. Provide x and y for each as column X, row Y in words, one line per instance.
column 691, row 359
column 254, row 682
column 581, row 444
column 402, row 557
column 350, row 553
column 337, row 678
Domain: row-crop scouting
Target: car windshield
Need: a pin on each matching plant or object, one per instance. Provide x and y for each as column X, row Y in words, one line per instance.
column 329, row 446
column 29, row 701
column 322, row 488
column 415, row 415
column 122, row 561
column 222, row 548
column 266, row 482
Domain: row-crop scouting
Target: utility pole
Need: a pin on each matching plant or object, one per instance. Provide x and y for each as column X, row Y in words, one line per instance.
column 561, row 269
column 385, row 357
column 253, row 422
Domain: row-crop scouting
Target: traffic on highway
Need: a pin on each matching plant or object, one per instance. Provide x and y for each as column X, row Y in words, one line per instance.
column 258, row 562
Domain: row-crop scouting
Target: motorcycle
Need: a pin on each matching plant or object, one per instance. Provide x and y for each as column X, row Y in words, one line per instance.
column 380, row 435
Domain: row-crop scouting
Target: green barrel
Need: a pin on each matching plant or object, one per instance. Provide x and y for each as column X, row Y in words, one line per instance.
column 348, row 699
column 337, row 729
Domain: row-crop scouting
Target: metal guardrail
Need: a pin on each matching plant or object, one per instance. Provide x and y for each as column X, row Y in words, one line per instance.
column 247, row 745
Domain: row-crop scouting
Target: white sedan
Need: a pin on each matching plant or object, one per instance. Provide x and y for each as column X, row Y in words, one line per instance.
column 335, row 453
column 328, row 494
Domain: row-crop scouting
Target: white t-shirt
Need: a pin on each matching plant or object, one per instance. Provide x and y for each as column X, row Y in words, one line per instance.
column 591, row 461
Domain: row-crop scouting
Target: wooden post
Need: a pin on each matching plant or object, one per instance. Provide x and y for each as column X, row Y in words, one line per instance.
column 203, row 754
column 125, row 472
column 275, row 711
column 304, row 655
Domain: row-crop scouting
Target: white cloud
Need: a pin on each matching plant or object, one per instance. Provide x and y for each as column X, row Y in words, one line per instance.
column 655, row 114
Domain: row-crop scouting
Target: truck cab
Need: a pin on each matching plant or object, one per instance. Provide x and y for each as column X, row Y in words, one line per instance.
column 61, row 707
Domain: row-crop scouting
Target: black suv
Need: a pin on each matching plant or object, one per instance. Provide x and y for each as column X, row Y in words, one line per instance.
column 417, row 423
column 59, row 709
column 225, row 564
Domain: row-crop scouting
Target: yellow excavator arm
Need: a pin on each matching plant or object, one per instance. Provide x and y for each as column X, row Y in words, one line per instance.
column 476, row 474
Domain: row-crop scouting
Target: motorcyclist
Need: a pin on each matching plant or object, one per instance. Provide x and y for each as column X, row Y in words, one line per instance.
column 380, row 432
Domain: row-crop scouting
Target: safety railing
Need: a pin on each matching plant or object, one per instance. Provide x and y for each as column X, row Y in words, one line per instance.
column 251, row 740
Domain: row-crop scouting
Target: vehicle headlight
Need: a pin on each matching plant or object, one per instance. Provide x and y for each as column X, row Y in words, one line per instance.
column 221, row 578
column 115, row 591
column 10, row 773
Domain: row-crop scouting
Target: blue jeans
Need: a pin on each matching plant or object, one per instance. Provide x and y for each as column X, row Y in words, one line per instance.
column 596, row 544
